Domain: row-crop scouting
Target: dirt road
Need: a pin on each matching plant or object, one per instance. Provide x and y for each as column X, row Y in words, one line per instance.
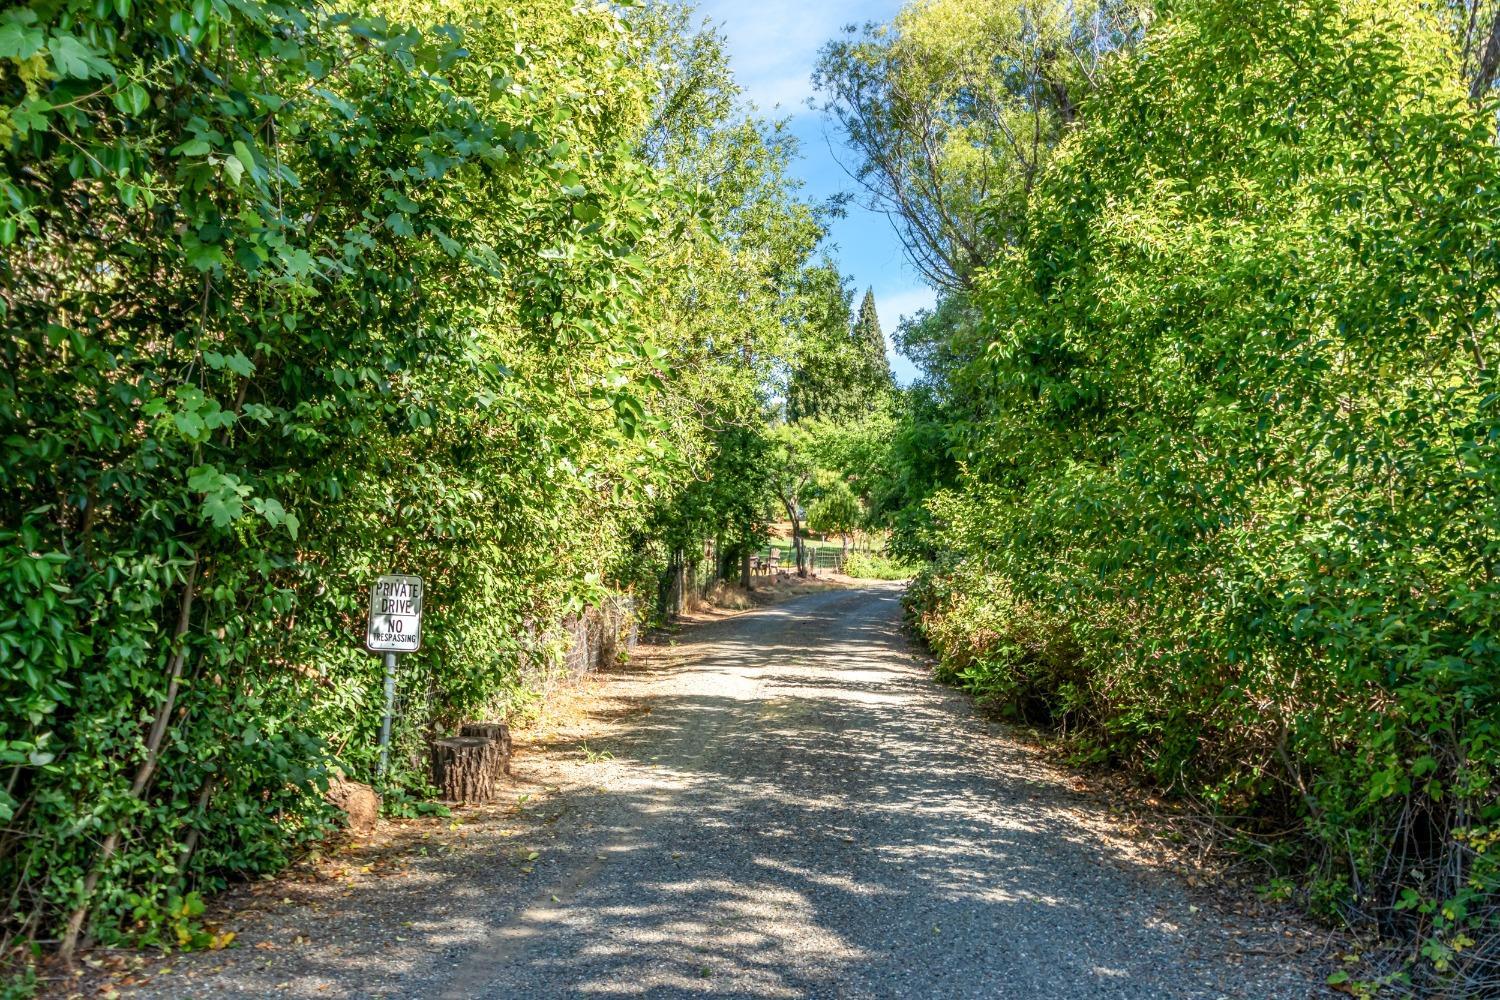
column 791, row 809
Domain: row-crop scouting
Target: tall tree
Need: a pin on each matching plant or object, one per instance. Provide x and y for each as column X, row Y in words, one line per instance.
column 956, row 106
column 839, row 368
column 825, row 369
column 871, row 340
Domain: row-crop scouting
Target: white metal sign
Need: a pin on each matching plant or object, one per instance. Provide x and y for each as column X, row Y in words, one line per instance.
column 395, row 615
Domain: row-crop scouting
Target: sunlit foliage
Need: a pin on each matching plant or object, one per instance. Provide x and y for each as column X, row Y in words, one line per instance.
column 1231, row 472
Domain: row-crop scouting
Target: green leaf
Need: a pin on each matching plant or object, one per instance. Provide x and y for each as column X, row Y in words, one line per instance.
column 204, row 478
column 19, row 41
column 236, row 362
column 399, row 224
column 75, row 59
column 245, row 157
column 203, row 256
column 31, row 116
column 223, row 494
column 132, row 99
column 223, row 509
column 240, row 365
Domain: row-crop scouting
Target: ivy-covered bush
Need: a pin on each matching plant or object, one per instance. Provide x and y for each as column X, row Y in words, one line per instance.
column 1236, row 520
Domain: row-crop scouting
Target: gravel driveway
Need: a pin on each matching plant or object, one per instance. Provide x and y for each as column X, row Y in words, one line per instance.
column 789, row 808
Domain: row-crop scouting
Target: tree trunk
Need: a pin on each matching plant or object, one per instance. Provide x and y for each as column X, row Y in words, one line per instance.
column 790, row 504
column 669, row 590
column 1489, row 62
column 190, row 843
column 497, row 731
column 467, row 768
column 1066, row 110
column 677, row 575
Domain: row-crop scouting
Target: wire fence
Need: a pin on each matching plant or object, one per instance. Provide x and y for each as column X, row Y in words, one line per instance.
column 598, row 636
column 778, row 559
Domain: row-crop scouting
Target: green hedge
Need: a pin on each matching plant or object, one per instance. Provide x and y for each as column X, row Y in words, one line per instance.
column 295, row 295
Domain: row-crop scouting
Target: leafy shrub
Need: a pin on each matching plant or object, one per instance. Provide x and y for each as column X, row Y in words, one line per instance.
column 1013, row 658
column 877, row 566
column 1237, row 512
column 294, row 295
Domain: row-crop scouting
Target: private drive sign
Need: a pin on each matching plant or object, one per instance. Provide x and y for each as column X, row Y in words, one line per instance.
column 395, row 615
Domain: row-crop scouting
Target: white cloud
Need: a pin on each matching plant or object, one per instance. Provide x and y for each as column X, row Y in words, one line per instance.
column 773, row 44
column 891, row 307
column 895, row 304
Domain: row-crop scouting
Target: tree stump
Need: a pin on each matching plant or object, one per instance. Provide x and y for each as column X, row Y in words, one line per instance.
column 497, row 731
column 467, row 768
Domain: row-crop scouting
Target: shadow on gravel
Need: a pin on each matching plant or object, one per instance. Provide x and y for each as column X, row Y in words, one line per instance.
column 845, row 829
column 802, row 813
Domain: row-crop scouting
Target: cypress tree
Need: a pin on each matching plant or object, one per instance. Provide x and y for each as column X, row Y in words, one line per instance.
column 870, row 341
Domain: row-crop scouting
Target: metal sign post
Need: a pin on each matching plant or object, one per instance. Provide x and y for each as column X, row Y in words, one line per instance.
column 390, row 707
column 394, row 627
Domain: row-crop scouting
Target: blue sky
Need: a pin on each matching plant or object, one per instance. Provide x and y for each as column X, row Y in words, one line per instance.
column 773, row 45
